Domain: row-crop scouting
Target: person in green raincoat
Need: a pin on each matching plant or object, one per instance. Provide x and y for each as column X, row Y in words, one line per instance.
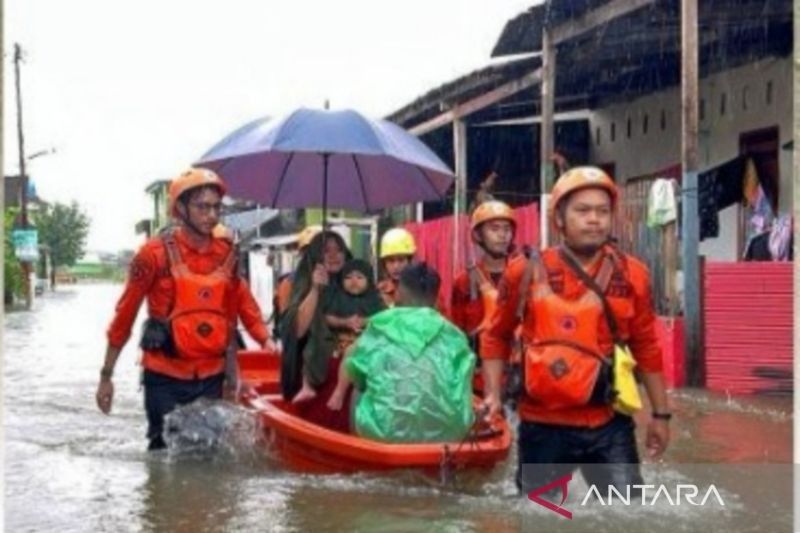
column 413, row 369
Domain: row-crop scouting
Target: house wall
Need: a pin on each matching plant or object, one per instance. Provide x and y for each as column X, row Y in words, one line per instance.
column 660, row 147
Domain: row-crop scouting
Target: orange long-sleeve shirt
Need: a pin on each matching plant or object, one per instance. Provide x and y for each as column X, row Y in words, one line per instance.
column 149, row 278
column 638, row 329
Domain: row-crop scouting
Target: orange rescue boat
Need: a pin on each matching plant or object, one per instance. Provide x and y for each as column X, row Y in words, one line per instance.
column 307, row 447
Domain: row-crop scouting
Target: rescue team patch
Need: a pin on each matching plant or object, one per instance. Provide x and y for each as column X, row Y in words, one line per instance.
column 568, row 323
column 204, row 293
column 204, row 329
column 559, row 368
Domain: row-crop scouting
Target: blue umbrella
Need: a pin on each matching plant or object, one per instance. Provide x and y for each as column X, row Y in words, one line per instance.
column 338, row 159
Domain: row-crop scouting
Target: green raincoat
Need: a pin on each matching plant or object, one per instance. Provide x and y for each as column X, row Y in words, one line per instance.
column 414, row 369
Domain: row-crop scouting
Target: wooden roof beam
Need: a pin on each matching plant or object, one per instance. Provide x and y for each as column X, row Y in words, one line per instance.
column 479, row 102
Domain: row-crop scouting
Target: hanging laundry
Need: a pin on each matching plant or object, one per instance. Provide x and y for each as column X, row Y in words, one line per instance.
column 707, row 209
column 761, row 218
column 766, row 165
column 750, row 185
column 661, row 205
column 780, row 239
column 718, row 188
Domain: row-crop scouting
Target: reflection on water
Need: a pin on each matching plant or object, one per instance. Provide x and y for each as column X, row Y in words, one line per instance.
column 70, row 468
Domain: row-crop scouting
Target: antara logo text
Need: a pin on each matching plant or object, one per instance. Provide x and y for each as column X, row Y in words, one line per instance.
column 681, row 494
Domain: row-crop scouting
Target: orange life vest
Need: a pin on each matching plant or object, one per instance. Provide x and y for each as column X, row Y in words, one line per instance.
column 564, row 366
column 199, row 323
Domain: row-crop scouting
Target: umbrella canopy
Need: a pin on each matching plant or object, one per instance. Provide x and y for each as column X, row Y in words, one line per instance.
column 329, row 159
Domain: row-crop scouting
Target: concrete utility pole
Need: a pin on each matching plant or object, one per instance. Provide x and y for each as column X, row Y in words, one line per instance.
column 546, row 129
column 690, row 229
column 26, row 266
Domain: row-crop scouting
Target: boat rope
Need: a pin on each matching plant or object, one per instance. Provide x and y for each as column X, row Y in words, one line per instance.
column 448, row 464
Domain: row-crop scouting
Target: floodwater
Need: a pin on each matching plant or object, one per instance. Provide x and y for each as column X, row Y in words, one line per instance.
column 70, row 468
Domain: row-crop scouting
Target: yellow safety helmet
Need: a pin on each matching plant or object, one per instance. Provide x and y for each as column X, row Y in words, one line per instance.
column 304, row 237
column 397, row 241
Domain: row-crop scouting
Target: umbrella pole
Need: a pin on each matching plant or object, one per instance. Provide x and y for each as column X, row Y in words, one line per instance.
column 325, row 157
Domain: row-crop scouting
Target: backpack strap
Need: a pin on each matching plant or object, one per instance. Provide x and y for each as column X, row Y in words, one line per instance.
column 474, row 281
column 174, row 259
column 595, row 285
column 605, row 272
column 228, row 265
column 533, row 272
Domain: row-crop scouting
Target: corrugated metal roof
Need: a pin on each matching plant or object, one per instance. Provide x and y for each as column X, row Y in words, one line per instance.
column 748, row 327
column 639, row 52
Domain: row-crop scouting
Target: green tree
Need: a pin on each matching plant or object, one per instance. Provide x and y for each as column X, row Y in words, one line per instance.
column 63, row 228
column 12, row 269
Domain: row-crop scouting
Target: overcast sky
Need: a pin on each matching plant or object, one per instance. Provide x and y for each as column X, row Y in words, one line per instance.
column 129, row 92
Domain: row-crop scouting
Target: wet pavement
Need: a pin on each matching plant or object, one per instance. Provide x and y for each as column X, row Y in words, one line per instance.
column 70, row 468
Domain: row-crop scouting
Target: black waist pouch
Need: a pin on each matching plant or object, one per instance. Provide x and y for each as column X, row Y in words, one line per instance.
column 156, row 336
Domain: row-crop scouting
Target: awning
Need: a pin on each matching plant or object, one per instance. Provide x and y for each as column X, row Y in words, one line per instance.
column 274, row 242
column 247, row 221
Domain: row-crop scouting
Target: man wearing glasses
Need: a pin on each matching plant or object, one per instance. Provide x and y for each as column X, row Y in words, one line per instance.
column 194, row 299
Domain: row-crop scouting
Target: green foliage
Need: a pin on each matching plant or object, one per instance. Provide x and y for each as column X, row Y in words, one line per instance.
column 63, row 228
column 12, row 269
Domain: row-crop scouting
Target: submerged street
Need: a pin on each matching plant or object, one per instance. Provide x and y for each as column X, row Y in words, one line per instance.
column 70, row 468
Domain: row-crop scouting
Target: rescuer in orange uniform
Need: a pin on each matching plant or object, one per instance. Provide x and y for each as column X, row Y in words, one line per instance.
column 474, row 294
column 566, row 414
column 194, row 298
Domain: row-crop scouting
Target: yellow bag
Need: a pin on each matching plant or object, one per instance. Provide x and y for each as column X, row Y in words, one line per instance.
column 626, row 392
column 626, row 398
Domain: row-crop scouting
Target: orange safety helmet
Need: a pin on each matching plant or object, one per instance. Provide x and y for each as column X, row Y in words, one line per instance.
column 191, row 179
column 492, row 210
column 579, row 178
